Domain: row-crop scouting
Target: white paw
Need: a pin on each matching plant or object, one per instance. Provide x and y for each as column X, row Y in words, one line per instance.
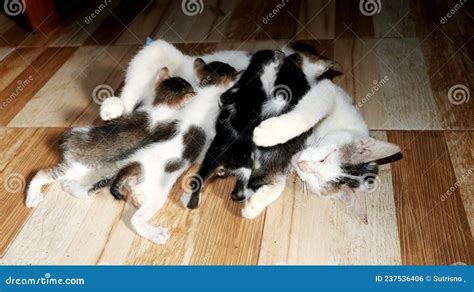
column 111, row 108
column 159, row 235
column 185, row 197
column 270, row 132
column 33, row 198
column 250, row 211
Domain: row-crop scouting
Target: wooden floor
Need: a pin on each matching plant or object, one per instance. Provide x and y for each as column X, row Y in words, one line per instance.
column 410, row 73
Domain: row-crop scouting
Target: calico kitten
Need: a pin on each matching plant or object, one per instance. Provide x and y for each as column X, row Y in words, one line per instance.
column 151, row 172
column 144, row 67
column 91, row 152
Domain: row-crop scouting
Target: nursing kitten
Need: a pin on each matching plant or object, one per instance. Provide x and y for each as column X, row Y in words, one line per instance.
column 339, row 155
column 151, row 172
column 92, row 152
column 144, row 67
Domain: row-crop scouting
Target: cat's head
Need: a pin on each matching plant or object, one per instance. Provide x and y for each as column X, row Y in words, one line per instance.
column 172, row 91
column 314, row 64
column 214, row 73
column 328, row 164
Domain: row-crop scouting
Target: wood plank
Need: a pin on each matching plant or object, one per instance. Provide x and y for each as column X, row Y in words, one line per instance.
column 145, row 24
column 15, row 63
column 432, row 15
column 5, row 52
column 175, row 25
column 301, row 228
column 316, row 20
column 395, row 20
column 242, row 25
column 68, row 93
column 217, row 29
column 13, row 36
column 461, row 151
column 452, row 79
column 183, row 227
column 75, row 33
column 432, row 225
column 407, row 95
column 219, row 217
column 116, row 22
column 19, row 92
column 24, row 151
column 284, row 12
column 350, row 22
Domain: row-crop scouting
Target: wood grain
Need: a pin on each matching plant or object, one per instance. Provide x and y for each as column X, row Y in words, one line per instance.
column 116, row 22
column 16, row 62
column 395, row 20
column 350, row 22
column 316, row 20
column 448, row 69
column 407, row 95
column 19, row 92
column 301, row 228
column 461, row 151
column 432, row 223
column 68, row 95
column 24, row 151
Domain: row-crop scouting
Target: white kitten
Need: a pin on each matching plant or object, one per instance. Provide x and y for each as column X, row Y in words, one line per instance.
column 145, row 65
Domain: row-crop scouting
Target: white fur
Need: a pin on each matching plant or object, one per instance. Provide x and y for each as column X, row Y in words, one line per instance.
column 144, row 68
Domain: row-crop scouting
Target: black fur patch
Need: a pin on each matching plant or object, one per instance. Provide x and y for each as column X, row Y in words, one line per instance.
column 119, row 187
column 174, row 165
column 193, row 140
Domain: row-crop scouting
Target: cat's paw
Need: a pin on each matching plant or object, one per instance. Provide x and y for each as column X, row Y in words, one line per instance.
column 111, row 108
column 33, row 198
column 159, row 235
column 271, row 132
column 250, row 210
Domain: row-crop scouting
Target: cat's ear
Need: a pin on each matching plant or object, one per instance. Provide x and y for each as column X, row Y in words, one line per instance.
column 163, row 74
column 307, row 166
column 355, row 200
column 199, row 65
column 325, row 64
column 369, row 149
column 298, row 60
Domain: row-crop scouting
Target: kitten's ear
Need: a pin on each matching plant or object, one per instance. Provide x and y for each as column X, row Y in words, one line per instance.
column 163, row 74
column 307, row 166
column 355, row 199
column 369, row 149
column 199, row 65
column 298, row 60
